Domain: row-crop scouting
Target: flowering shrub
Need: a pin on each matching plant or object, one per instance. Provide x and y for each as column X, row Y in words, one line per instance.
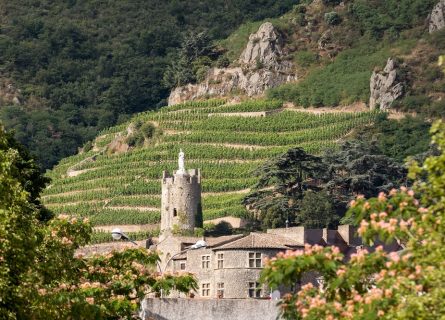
column 409, row 284
column 40, row 277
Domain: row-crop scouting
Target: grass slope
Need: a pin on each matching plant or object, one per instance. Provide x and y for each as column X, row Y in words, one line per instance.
column 125, row 188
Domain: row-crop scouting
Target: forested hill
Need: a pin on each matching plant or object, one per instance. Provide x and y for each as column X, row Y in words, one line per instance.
column 70, row 68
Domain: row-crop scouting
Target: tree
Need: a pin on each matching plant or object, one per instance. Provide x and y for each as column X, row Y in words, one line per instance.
column 282, row 182
column 317, row 210
column 28, row 173
column 40, row 276
column 360, row 168
column 375, row 285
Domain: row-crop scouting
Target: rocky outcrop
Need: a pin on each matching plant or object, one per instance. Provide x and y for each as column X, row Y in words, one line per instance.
column 437, row 17
column 260, row 67
column 9, row 94
column 386, row 87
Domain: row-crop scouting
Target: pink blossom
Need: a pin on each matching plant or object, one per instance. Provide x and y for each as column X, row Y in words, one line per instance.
column 341, row 272
column 381, row 197
column 394, row 256
column 363, row 227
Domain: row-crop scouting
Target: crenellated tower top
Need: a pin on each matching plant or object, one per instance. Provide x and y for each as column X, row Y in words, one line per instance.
column 181, row 199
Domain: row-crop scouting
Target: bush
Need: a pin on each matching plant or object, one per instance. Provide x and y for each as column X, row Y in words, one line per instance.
column 135, row 140
column 223, row 62
column 88, row 146
column 147, row 130
column 331, row 2
column 343, row 81
column 432, row 73
column 413, row 103
column 305, row 58
column 332, row 18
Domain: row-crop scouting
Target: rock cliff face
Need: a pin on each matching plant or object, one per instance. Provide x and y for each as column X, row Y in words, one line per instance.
column 386, row 87
column 9, row 94
column 437, row 17
column 260, row 67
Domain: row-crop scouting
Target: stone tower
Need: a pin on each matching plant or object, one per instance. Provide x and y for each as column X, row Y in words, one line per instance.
column 181, row 199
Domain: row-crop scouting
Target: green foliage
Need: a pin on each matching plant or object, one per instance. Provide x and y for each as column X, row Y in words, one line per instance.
column 288, row 175
column 343, row 81
column 360, row 168
column 305, row 58
column 142, row 132
column 400, row 285
column 83, row 65
column 292, row 187
column 125, row 188
column 317, row 211
column 398, row 139
column 40, row 278
column 376, row 17
column 331, row 2
column 27, row 172
column 332, row 18
column 87, row 146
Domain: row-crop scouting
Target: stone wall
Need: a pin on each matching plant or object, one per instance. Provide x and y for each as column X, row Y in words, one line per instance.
column 235, row 222
column 216, row 309
column 235, row 273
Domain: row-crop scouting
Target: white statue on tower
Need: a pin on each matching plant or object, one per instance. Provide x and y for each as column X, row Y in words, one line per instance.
column 181, row 162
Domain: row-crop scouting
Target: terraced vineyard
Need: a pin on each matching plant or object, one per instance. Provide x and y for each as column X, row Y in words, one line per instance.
column 124, row 188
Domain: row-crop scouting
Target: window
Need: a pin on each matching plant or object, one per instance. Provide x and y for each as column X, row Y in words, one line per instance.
column 205, row 289
column 220, row 260
column 254, row 290
column 255, row 260
column 182, row 265
column 175, row 212
column 220, row 290
column 205, row 262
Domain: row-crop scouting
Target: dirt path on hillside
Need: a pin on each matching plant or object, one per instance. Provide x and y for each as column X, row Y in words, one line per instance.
column 234, row 145
column 73, row 192
column 243, row 191
column 127, row 227
column 138, row 208
column 356, row 107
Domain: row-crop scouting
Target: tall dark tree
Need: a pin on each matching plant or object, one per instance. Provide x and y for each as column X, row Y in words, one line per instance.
column 281, row 186
column 314, row 191
column 360, row 168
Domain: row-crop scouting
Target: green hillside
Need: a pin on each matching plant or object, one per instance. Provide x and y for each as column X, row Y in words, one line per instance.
column 80, row 66
column 124, row 187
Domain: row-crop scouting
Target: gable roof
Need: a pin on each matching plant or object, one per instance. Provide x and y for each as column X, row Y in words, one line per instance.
column 210, row 241
column 261, row 241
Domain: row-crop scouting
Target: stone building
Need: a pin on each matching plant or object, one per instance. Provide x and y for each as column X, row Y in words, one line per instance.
column 230, row 266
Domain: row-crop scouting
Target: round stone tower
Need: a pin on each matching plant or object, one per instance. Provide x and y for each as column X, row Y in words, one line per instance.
column 181, row 200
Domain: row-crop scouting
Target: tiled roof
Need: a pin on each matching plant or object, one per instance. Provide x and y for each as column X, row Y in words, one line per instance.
column 261, row 241
column 218, row 241
column 181, row 256
column 187, row 240
column 210, row 241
